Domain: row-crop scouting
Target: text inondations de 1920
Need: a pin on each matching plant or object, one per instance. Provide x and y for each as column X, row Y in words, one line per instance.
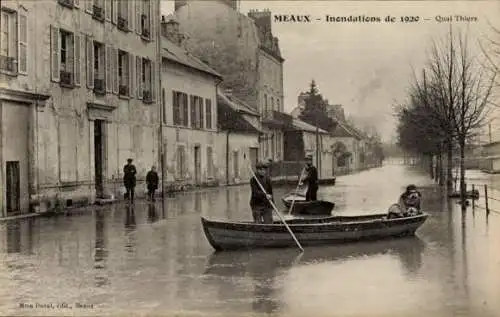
column 391, row 19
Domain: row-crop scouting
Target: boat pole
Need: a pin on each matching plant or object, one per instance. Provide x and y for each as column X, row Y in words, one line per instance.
column 296, row 190
column 276, row 210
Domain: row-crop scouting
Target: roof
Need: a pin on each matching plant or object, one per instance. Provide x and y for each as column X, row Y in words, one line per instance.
column 181, row 56
column 230, row 119
column 238, row 104
column 304, row 126
column 345, row 130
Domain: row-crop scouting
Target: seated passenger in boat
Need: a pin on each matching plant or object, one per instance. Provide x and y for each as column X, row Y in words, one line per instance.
column 408, row 204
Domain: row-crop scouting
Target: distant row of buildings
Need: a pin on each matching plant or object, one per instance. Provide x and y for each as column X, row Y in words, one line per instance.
column 86, row 84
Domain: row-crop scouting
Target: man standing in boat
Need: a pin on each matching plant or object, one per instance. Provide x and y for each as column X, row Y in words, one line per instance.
column 311, row 180
column 260, row 202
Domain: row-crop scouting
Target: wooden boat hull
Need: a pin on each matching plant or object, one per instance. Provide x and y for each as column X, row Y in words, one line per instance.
column 288, row 198
column 309, row 231
column 315, row 208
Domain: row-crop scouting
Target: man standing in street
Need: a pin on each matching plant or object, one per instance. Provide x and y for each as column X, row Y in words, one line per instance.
column 311, row 179
column 129, row 180
column 152, row 183
column 260, row 201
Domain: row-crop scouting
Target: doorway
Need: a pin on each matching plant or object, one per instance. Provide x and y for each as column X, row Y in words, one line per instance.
column 197, row 165
column 99, row 157
column 13, row 187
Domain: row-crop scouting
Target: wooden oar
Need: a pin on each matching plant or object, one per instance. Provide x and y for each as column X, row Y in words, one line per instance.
column 296, row 190
column 276, row 210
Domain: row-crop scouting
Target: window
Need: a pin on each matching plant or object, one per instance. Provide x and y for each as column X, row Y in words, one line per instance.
column 98, row 10
column 145, row 21
column 146, row 79
column 99, row 68
column 180, row 108
column 13, row 41
column 69, row 3
column 123, row 73
column 181, row 162
column 123, row 15
column 208, row 113
column 65, row 57
column 197, row 117
column 210, row 162
column 272, row 103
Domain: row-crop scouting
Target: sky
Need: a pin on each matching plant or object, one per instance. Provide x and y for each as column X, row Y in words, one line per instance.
column 366, row 67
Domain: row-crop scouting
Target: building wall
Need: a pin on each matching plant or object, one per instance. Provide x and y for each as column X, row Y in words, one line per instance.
column 65, row 135
column 236, row 154
column 271, row 83
column 15, row 131
column 227, row 40
column 176, row 136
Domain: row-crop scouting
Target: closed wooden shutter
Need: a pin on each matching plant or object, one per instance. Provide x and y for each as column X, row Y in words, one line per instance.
column 131, row 73
column 22, row 42
column 138, row 12
column 130, row 11
column 55, row 49
column 90, row 62
column 109, row 69
column 77, row 58
column 109, row 10
column 114, row 69
column 153, row 81
column 138, row 73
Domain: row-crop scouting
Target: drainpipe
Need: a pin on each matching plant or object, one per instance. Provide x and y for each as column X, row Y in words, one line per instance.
column 227, row 157
column 159, row 61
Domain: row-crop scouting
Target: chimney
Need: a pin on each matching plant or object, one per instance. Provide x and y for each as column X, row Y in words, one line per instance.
column 170, row 30
column 262, row 19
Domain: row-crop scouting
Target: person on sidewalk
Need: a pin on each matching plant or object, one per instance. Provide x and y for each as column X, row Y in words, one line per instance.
column 152, row 181
column 260, row 201
column 129, row 179
column 311, row 180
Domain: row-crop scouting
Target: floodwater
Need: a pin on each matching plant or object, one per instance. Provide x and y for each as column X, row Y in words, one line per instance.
column 152, row 261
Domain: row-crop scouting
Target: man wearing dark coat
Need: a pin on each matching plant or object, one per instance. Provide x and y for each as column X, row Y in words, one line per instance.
column 152, row 182
column 129, row 179
column 311, row 180
column 262, row 209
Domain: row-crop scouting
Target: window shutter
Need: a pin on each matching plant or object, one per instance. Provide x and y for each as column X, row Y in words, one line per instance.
column 114, row 68
column 153, row 81
column 116, row 11
column 89, row 6
column 130, row 11
column 138, row 12
column 76, row 59
column 22, row 37
column 90, row 62
column 138, row 69
column 109, row 70
column 76, row 3
column 82, row 58
column 55, row 60
column 152, row 9
column 131, row 76
column 108, row 9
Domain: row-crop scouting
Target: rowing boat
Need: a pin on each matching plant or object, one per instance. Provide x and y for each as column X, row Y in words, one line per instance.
column 233, row 235
column 303, row 207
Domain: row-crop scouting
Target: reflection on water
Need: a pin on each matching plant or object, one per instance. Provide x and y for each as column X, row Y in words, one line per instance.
column 154, row 259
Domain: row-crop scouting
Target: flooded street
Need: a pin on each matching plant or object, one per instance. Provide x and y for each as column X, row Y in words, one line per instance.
column 146, row 259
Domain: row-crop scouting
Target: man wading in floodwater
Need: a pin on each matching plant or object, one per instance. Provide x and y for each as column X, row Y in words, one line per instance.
column 262, row 209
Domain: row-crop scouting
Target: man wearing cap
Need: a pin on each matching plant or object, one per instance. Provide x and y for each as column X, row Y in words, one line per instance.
column 311, row 179
column 129, row 179
column 262, row 209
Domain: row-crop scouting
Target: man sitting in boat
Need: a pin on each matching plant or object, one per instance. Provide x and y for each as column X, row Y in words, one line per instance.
column 262, row 209
column 311, row 180
column 408, row 204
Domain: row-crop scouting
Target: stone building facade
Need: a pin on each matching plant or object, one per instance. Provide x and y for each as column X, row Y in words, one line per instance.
column 80, row 94
column 244, row 51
